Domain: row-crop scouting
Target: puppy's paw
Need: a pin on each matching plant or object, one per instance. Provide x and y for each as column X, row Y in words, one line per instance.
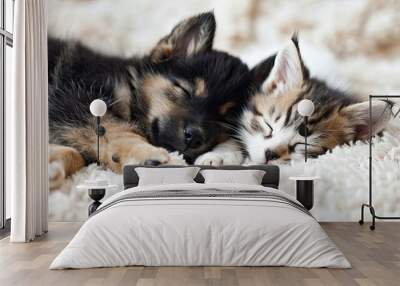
column 175, row 158
column 56, row 174
column 144, row 155
column 210, row 159
column 156, row 156
column 220, row 158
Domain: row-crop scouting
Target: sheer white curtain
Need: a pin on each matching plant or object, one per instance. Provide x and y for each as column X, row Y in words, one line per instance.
column 27, row 123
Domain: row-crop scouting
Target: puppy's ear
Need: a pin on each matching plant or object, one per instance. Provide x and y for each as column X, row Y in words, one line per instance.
column 261, row 71
column 191, row 36
column 283, row 72
column 358, row 117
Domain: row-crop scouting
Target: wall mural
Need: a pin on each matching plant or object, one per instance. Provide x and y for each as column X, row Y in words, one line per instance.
column 222, row 86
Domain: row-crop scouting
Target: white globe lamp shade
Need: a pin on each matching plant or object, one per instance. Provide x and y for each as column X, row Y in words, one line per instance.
column 305, row 107
column 98, row 107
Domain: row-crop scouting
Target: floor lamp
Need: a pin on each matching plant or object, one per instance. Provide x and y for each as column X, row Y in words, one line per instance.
column 305, row 184
column 305, row 108
column 98, row 108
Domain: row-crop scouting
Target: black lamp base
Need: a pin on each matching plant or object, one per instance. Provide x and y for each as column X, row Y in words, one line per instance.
column 96, row 195
column 305, row 193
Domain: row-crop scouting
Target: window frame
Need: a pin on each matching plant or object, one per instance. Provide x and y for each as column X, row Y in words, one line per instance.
column 6, row 39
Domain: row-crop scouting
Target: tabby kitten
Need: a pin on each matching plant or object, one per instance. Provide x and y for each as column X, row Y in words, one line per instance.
column 271, row 129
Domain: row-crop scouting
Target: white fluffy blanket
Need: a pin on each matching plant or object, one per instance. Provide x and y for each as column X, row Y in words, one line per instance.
column 339, row 193
column 363, row 47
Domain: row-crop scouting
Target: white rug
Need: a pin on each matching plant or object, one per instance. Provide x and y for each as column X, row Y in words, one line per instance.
column 363, row 48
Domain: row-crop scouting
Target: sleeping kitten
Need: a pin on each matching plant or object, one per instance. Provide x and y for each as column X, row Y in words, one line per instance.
column 271, row 129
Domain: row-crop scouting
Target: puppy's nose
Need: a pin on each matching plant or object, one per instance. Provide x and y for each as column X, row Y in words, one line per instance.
column 270, row 155
column 193, row 136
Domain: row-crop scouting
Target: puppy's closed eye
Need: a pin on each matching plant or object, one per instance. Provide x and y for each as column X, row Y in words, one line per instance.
column 182, row 88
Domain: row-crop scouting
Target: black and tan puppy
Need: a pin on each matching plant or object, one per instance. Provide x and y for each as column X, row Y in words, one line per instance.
column 177, row 98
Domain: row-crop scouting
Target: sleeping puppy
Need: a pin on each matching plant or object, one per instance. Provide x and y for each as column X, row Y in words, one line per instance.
column 179, row 98
column 270, row 128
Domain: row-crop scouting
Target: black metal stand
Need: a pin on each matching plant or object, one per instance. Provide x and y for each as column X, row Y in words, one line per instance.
column 370, row 203
column 100, row 131
column 305, row 193
column 96, row 195
column 305, row 138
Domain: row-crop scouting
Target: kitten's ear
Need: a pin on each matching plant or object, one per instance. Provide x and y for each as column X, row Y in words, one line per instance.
column 189, row 37
column 358, row 117
column 283, row 72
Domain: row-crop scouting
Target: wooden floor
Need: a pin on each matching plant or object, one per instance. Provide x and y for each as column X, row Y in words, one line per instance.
column 375, row 257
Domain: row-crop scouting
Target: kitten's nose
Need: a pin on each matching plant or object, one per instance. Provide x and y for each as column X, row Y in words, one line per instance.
column 270, row 155
column 193, row 136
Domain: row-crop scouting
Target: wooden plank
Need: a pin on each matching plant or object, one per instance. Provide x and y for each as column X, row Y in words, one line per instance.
column 375, row 257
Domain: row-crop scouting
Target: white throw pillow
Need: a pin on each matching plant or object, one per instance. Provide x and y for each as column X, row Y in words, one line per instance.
column 246, row 177
column 166, row 176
